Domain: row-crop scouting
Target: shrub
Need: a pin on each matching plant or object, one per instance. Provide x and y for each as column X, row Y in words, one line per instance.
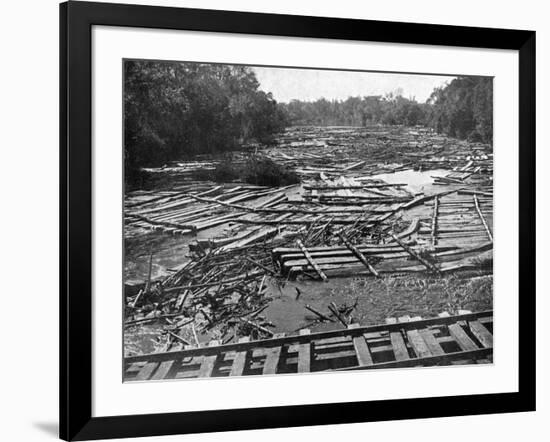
column 265, row 172
column 257, row 170
column 224, row 172
column 202, row 174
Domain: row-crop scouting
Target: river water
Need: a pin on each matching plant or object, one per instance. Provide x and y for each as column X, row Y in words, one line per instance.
column 416, row 181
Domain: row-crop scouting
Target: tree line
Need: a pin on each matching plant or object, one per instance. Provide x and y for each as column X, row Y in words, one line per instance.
column 177, row 109
column 390, row 109
column 173, row 110
column 462, row 109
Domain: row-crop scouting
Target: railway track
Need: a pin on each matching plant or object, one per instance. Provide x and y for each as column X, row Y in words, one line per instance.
column 400, row 342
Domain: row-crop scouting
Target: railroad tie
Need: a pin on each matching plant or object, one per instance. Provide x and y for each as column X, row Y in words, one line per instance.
column 272, row 357
column 361, row 348
column 208, row 362
column 304, row 353
column 239, row 362
column 418, row 343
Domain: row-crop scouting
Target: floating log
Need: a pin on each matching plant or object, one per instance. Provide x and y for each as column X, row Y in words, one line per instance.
column 351, row 186
column 318, row 313
column 476, row 202
column 334, row 309
column 474, row 192
column 358, row 254
column 311, row 261
column 251, row 238
column 434, row 221
column 415, row 255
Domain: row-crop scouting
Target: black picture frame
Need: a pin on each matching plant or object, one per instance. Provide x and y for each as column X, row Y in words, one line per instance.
column 76, row 21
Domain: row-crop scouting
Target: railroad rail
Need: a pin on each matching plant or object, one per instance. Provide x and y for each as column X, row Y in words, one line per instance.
column 465, row 338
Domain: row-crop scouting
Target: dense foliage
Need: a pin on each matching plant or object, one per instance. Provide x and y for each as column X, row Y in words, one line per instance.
column 265, row 172
column 173, row 110
column 257, row 169
column 357, row 111
column 463, row 109
column 176, row 109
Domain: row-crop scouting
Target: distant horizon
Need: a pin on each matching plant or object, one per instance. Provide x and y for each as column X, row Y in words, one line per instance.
column 287, row 84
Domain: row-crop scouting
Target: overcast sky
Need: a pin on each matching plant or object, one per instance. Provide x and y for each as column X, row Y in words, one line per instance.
column 310, row 84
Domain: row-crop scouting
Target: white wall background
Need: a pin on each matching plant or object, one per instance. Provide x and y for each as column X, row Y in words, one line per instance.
column 29, row 216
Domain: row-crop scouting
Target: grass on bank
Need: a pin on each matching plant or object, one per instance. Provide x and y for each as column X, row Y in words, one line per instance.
column 395, row 296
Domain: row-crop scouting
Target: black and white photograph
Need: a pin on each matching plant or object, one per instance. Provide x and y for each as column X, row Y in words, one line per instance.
column 266, row 221
column 287, row 220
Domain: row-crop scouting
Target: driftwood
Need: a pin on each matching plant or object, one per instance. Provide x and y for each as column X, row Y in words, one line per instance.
column 257, row 327
column 334, row 309
column 318, row 313
column 178, row 337
column 267, row 269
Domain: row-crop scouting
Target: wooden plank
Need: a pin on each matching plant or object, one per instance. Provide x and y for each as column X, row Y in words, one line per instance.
column 311, row 261
column 163, row 370
column 239, row 362
column 434, row 221
column 251, row 238
column 361, row 348
column 352, row 186
column 208, row 362
column 463, row 340
column 272, row 357
column 481, row 333
column 416, row 341
column 399, row 348
column 418, row 344
column 146, row 371
column 431, row 342
column 304, row 354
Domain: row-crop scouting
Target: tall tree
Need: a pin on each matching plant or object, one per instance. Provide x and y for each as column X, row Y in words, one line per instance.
column 176, row 109
column 463, row 109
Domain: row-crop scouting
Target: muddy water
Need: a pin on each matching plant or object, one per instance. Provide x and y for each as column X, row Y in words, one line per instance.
column 171, row 252
column 287, row 309
column 375, row 299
